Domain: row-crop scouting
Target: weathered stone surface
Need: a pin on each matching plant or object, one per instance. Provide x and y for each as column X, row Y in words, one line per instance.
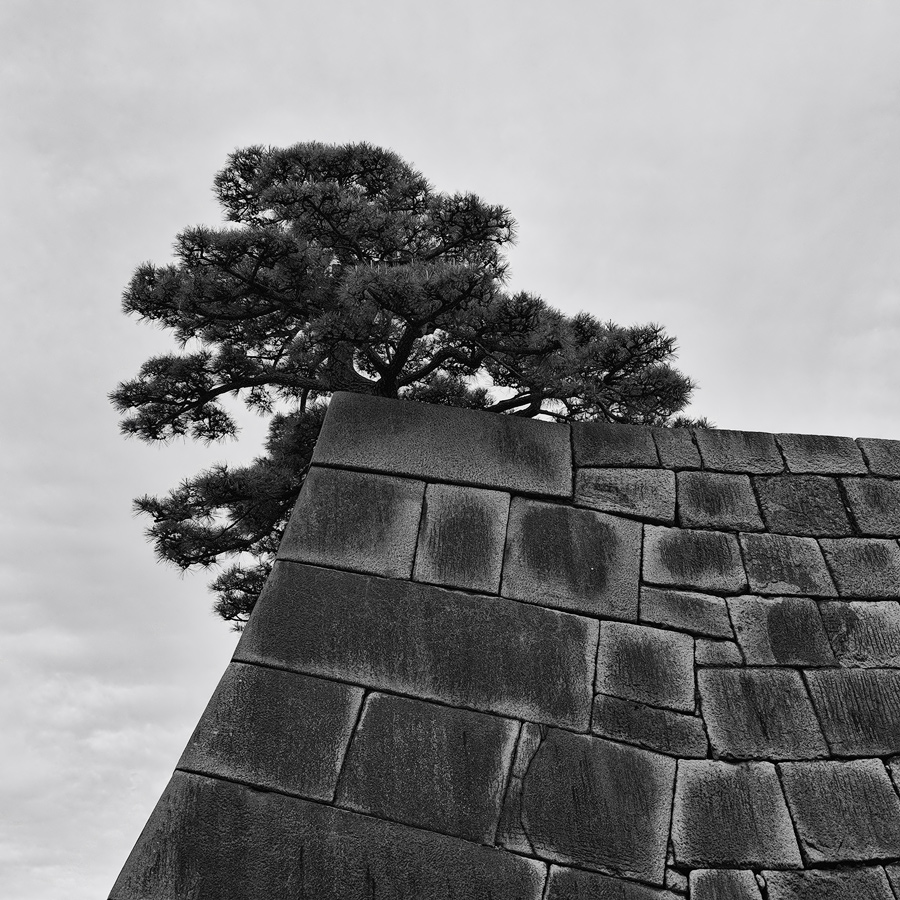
column 676, row 448
column 864, row 567
column 803, row 505
column 573, row 559
column 893, row 874
column 717, row 653
column 724, row 884
column 576, row 884
column 440, row 443
column 607, row 444
column 731, row 816
column 717, row 500
column 276, row 730
column 780, row 631
column 759, row 714
column 511, row 831
column 707, row 560
column 875, row 504
column 821, row 454
column 859, row 709
column 753, row 452
column 209, row 838
column 432, row 766
column 829, row 884
column 882, row 456
column 843, row 811
column 355, row 520
column 461, row 537
column 643, row 493
column 645, row 664
column 676, row 881
column 656, row 729
column 780, row 564
column 479, row 652
column 595, row 804
column 688, row 611
column 864, row 633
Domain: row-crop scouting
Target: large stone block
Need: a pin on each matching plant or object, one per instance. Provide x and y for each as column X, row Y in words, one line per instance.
column 592, row 803
column 717, row 500
column 703, row 614
column 724, row 884
column 276, row 730
column 731, row 816
column 432, row 766
column 645, row 664
column 821, row 454
column 875, row 504
column 864, row 633
column 209, row 839
column 717, row 653
column 479, row 652
column 829, row 884
column 780, row 631
column 656, row 729
column 882, row 456
column 759, row 714
column 706, row 560
column 642, row 493
column 843, row 811
column 780, row 564
column 439, row 443
column 753, row 452
column 864, row 567
column 809, row 505
column 461, row 537
column 859, row 709
column 608, row 444
column 355, row 520
column 676, row 448
column 576, row 884
column 572, row 559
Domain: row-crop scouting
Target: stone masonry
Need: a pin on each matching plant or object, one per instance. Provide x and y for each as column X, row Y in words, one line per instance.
column 502, row 659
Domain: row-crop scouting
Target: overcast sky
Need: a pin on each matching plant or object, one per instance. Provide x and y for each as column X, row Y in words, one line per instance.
column 729, row 169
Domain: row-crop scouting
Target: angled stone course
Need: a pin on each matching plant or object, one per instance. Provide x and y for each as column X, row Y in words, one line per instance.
column 875, row 505
column 864, row 633
column 751, row 452
column 576, row 884
column 783, row 564
column 604, row 444
column 808, row 505
column 689, row 611
column 705, row 560
column 647, row 494
column 717, row 653
column 882, row 456
column 821, row 454
column 717, row 500
column 864, row 567
column 662, row 730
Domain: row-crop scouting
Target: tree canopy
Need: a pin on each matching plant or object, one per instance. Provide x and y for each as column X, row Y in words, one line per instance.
column 342, row 268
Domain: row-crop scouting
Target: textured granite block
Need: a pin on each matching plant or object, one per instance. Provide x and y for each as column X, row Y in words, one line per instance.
column 440, row 443
column 656, row 729
column 355, row 520
column 821, row 454
column 731, row 816
column 882, row 456
column 467, row 650
column 864, row 567
column 643, row 493
column 864, row 633
column 716, row 500
column 829, row 884
column 687, row 611
column 645, row 664
column 859, row 709
column 843, row 811
column 707, row 560
column 432, row 766
column 875, row 504
column 753, row 452
column 759, row 714
column 275, row 730
column 461, row 537
column 591, row 803
column 780, row 564
column 573, row 559
column 576, row 884
column 717, row 653
column 803, row 505
column 781, row 631
column 724, row 884
column 676, row 448
column 209, row 838
column 608, row 444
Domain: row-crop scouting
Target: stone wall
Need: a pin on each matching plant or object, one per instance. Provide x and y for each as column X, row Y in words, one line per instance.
column 502, row 659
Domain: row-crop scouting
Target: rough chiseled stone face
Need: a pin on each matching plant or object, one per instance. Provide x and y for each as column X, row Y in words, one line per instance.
column 739, row 451
column 803, row 505
column 642, row 493
column 607, row 445
column 882, row 456
column 646, row 726
column 692, row 559
column 875, row 505
column 688, row 611
column 715, row 500
column 864, row 567
column 724, row 884
column 864, row 633
column 830, row 884
column 783, row 564
column 576, row 884
column 676, row 448
column 821, row 454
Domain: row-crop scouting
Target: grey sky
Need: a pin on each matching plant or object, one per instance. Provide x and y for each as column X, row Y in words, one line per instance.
column 726, row 168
